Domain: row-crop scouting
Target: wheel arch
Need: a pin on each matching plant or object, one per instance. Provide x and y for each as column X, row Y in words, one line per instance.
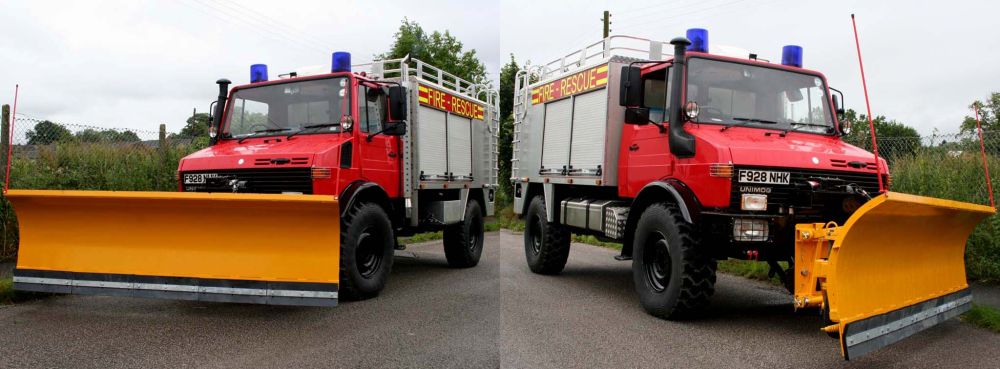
column 530, row 191
column 363, row 191
column 479, row 195
column 668, row 190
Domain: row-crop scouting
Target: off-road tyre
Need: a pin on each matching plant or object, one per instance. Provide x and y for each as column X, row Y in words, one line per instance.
column 366, row 249
column 463, row 242
column 546, row 245
column 673, row 276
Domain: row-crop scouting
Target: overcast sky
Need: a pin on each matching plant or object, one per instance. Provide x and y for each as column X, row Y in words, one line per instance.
column 136, row 63
column 139, row 63
column 925, row 61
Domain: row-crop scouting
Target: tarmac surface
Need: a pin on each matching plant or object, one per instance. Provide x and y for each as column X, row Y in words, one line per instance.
column 497, row 314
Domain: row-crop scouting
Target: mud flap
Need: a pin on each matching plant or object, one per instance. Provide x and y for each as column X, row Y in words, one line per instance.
column 248, row 248
column 896, row 267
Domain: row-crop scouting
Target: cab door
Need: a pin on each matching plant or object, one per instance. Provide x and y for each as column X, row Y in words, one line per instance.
column 379, row 155
column 646, row 148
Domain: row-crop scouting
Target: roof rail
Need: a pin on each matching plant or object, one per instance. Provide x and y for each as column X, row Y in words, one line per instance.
column 594, row 53
column 407, row 67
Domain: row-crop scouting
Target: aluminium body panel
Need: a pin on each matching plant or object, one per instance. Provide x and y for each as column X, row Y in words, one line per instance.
column 556, row 132
column 590, row 115
column 448, row 146
column 585, row 140
column 460, row 147
column 431, row 144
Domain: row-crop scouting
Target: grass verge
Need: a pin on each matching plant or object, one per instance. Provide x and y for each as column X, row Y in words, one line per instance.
column 421, row 237
column 756, row 270
column 6, row 291
column 984, row 317
column 591, row 240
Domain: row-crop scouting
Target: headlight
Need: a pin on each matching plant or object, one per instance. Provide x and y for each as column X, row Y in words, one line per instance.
column 750, row 230
column 752, row 201
column 691, row 110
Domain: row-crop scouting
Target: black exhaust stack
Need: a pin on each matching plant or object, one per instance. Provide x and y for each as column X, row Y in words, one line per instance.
column 681, row 142
column 220, row 108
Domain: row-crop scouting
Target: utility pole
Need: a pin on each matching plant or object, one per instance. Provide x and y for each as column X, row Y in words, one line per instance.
column 607, row 23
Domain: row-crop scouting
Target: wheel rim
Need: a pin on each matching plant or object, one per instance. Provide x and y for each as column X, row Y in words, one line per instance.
column 656, row 263
column 368, row 255
column 476, row 230
column 536, row 234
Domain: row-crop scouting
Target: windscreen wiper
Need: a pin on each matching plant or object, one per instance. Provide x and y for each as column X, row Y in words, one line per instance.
column 745, row 121
column 795, row 127
column 259, row 131
column 312, row 126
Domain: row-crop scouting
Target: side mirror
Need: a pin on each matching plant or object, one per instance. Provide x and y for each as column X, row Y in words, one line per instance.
column 630, row 90
column 637, row 115
column 838, row 108
column 397, row 128
column 397, row 103
column 211, row 111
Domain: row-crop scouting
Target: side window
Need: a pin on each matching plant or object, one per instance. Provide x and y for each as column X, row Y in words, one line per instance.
column 369, row 114
column 249, row 116
column 656, row 95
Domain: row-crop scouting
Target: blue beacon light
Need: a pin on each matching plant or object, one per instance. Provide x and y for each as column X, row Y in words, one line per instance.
column 791, row 55
column 341, row 62
column 699, row 40
column 258, row 73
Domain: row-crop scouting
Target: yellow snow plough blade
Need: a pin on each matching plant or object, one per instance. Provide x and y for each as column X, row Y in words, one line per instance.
column 896, row 267
column 249, row 248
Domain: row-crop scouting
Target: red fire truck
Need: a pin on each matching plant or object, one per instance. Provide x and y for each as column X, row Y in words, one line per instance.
column 709, row 156
column 299, row 199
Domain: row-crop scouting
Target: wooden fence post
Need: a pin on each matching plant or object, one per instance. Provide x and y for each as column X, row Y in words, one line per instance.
column 163, row 136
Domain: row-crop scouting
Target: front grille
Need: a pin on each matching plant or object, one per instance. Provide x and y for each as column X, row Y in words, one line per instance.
column 785, row 195
column 253, row 181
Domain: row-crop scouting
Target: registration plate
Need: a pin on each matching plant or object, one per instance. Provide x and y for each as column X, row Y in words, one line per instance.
column 198, row 178
column 764, row 176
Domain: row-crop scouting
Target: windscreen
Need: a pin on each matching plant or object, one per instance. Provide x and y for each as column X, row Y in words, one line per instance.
column 739, row 94
column 316, row 106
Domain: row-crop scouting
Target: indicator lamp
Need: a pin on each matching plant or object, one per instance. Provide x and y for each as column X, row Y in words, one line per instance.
column 791, row 55
column 258, row 73
column 341, row 62
column 699, row 40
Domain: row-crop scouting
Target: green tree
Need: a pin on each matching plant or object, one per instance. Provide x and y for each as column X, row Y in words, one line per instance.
column 507, row 75
column 895, row 139
column 441, row 50
column 48, row 132
column 506, row 134
column 106, row 136
column 988, row 111
column 197, row 126
column 89, row 135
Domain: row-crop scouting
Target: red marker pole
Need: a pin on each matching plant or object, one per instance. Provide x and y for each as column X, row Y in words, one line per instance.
column 10, row 139
column 871, row 124
column 982, row 149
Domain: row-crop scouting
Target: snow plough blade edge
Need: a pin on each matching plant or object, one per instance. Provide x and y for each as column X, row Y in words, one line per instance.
column 246, row 248
column 896, row 267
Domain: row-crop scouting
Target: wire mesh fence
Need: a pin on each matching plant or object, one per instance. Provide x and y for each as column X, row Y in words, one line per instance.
column 54, row 155
column 47, row 154
column 946, row 166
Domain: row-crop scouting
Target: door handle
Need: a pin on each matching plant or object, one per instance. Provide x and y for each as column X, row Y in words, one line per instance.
column 392, row 154
column 633, row 147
